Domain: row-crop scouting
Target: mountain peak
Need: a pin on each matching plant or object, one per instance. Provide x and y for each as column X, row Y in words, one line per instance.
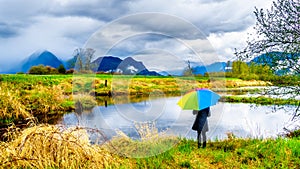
column 38, row 53
column 39, row 57
column 127, row 66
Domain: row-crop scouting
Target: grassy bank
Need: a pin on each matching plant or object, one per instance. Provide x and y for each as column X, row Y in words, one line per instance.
column 47, row 97
column 231, row 153
column 56, row 147
column 28, row 99
column 260, row 100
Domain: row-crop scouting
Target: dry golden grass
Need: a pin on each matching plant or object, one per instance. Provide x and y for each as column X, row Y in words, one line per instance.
column 151, row 142
column 44, row 99
column 49, row 146
column 18, row 104
column 10, row 102
column 87, row 101
column 242, row 83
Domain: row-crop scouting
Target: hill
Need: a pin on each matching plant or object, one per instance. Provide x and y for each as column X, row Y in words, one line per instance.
column 214, row 67
column 273, row 58
column 41, row 57
column 128, row 66
column 107, row 64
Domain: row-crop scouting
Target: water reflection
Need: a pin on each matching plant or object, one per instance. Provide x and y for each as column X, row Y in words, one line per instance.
column 243, row 120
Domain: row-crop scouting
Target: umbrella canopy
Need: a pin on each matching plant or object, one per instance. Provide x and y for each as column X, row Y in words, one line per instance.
column 198, row 99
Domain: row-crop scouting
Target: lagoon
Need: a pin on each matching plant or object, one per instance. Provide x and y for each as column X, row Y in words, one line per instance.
column 243, row 120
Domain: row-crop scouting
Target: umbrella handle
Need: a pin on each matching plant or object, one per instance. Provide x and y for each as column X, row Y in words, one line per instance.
column 195, row 112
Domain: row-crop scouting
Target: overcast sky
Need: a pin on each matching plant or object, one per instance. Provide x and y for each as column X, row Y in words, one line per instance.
column 179, row 30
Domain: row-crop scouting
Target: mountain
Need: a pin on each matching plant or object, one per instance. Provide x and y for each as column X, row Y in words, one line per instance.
column 272, row 58
column 269, row 58
column 131, row 66
column 214, row 67
column 128, row 66
column 107, row 64
column 41, row 57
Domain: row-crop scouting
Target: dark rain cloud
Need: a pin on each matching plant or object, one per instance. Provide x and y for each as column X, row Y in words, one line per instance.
column 167, row 25
column 98, row 9
column 6, row 31
column 62, row 25
column 211, row 1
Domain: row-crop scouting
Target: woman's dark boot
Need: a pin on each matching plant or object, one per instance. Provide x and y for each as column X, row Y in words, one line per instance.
column 204, row 144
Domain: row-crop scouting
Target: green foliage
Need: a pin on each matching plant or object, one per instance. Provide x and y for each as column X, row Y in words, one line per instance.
column 45, row 95
column 295, row 133
column 70, row 71
column 286, row 80
column 61, row 69
column 277, row 40
column 58, row 147
column 229, row 153
column 42, row 70
column 277, row 31
column 253, row 71
column 27, row 96
column 261, row 100
column 240, row 69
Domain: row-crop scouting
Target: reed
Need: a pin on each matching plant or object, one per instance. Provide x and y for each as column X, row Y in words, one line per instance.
column 261, row 100
column 151, row 142
column 49, row 146
column 42, row 101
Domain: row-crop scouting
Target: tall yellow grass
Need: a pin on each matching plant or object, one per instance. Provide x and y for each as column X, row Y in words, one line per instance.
column 49, row 146
column 17, row 103
column 10, row 103
column 151, row 142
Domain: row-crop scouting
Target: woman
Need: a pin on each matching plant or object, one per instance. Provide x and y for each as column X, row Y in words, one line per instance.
column 200, row 125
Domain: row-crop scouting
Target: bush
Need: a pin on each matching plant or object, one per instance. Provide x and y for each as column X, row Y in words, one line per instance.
column 61, row 69
column 42, row 70
column 70, row 71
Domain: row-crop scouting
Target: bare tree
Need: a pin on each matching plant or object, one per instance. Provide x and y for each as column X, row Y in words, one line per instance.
column 84, row 59
column 278, row 39
column 189, row 70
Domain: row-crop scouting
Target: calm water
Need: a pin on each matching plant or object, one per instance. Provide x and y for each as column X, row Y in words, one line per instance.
column 243, row 120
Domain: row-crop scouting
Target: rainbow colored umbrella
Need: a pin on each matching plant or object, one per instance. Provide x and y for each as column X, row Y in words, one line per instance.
column 198, row 99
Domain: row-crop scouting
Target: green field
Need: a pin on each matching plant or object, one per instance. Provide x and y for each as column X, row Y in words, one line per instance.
column 31, row 103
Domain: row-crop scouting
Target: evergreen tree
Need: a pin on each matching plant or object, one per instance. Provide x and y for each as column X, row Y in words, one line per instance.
column 61, row 69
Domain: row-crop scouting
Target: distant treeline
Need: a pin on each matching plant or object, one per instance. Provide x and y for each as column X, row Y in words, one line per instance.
column 254, row 71
column 48, row 70
column 241, row 70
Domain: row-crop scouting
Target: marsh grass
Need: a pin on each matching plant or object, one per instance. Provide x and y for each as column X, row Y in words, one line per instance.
column 261, row 100
column 39, row 101
column 86, row 101
column 11, row 104
column 230, row 153
column 49, row 146
column 151, row 142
